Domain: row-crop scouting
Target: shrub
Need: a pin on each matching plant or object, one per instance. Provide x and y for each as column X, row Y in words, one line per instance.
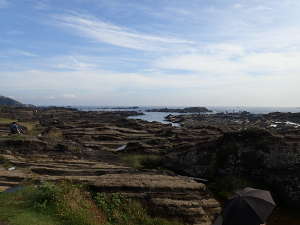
column 43, row 196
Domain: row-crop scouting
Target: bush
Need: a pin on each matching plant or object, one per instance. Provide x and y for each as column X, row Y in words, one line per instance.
column 225, row 187
column 44, row 196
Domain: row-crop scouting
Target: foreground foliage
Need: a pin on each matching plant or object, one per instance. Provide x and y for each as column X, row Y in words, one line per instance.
column 69, row 204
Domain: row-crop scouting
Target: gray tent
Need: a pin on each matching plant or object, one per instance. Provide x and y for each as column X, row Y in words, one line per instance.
column 248, row 207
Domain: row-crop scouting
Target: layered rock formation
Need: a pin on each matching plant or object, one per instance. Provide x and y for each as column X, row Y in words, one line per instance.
column 84, row 147
column 88, row 146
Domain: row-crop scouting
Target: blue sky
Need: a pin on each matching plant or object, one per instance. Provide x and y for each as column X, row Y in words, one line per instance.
column 151, row 52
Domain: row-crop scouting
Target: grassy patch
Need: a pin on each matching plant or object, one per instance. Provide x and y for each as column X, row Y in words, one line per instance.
column 68, row 204
column 54, row 135
column 15, row 137
column 142, row 161
column 34, row 129
column 6, row 120
column 5, row 162
column 31, row 127
column 15, row 210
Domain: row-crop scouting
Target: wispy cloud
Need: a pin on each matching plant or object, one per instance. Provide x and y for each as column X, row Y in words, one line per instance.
column 98, row 30
column 72, row 62
column 4, row 3
column 15, row 32
column 41, row 4
column 25, row 53
column 18, row 52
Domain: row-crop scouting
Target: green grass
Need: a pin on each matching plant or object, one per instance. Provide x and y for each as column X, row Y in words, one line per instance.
column 68, row 204
column 142, row 161
column 32, row 217
column 15, row 210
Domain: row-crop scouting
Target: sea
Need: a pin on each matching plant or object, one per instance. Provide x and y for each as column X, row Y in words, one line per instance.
column 160, row 116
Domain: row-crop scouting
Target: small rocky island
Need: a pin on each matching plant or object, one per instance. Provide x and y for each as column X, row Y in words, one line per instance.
column 181, row 172
column 184, row 110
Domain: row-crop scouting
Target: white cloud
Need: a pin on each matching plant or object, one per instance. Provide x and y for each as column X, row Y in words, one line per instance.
column 116, row 35
column 69, row 96
column 105, row 87
column 242, row 54
column 238, row 6
column 268, row 64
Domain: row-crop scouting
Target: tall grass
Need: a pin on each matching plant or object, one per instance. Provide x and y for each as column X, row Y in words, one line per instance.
column 122, row 211
column 69, row 204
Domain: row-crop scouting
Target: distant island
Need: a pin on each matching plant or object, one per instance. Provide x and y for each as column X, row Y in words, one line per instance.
column 5, row 101
column 184, row 110
column 121, row 107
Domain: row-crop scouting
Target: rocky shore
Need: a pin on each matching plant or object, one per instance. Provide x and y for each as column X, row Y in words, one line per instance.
column 262, row 148
column 179, row 166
